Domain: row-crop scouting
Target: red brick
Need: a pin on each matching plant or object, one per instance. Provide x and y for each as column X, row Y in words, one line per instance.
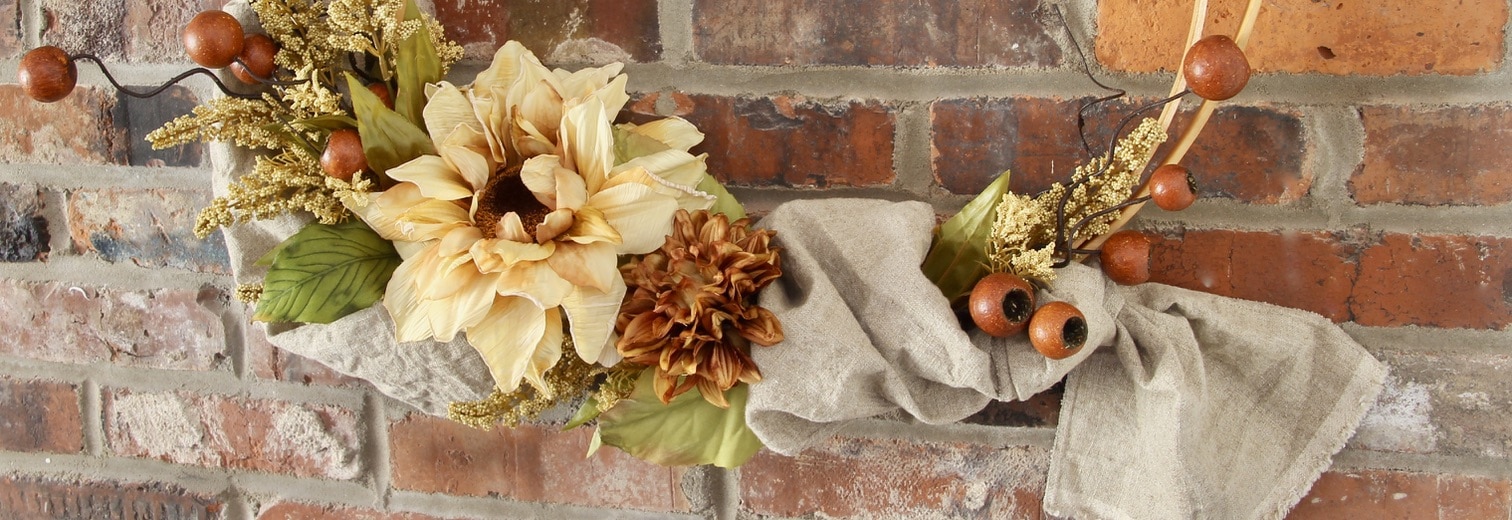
column 23, row 229
column 1435, row 156
column 79, row 129
column 10, row 35
column 38, row 499
column 299, row 511
column 300, row 439
column 275, row 364
column 1391, row 494
column 530, row 463
column 1245, row 153
column 788, row 141
column 149, row 228
column 40, row 416
column 1040, row 411
column 848, row 478
column 972, row 33
column 1333, row 37
column 1435, row 281
column 1313, row 271
column 67, row 323
column 574, row 31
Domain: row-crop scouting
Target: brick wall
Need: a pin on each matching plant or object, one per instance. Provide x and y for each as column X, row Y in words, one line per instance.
column 1363, row 176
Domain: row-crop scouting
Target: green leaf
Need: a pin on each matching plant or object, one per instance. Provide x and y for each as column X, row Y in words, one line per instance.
column 326, row 272
column 958, row 257
column 416, row 65
column 328, row 123
column 388, row 139
column 724, row 202
column 588, row 412
column 686, row 432
column 272, row 254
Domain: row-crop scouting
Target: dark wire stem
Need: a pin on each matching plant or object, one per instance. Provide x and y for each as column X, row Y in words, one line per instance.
column 1088, row 220
column 265, row 81
column 159, row 90
column 1062, row 238
column 1081, row 113
column 361, row 71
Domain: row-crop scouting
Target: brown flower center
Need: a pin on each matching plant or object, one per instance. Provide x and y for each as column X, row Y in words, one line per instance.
column 505, row 193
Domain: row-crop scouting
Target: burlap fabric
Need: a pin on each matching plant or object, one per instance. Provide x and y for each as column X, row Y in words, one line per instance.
column 1183, row 404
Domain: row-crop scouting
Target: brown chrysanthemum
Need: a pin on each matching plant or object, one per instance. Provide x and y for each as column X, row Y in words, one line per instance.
column 691, row 313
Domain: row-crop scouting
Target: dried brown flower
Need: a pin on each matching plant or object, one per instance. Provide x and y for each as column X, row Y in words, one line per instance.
column 691, row 313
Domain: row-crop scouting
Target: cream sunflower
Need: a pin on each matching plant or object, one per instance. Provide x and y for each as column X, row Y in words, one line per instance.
column 521, row 217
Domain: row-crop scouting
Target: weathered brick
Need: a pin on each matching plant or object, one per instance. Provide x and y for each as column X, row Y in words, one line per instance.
column 79, row 129
column 1368, row 38
column 1250, row 154
column 1435, row 156
column 1440, row 401
column 973, row 33
column 530, row 463
column 300, row 511
column 1040, row 411
column 1313, row 271
column 863, row 478
column 23, row 230
column 1435, row 281
column 142, row 116
column 152, row 29
column 267, row 361
column 87, row 27
column 40, row 416
column 10, row 33
column 1395, row 494
column 300, row 439
column 787, row 140
column 149, row 228
column 79, row 324
column 574, row 31
column 46, row 499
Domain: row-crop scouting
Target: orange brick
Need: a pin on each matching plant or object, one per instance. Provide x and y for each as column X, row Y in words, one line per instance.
column 1313, row 271
column 1379, row 38
column 586, row 30
column 71, row 323
column 301, row 511
column 40, row 416
column 1393, row 494
column 1435, row 281
column 531, row 463
column 43, row 499
column 79, row 129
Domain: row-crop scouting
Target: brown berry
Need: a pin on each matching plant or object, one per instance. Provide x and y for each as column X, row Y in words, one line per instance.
column 1126, row 257
column 1001, row 304
column 47, row 74
column 1058, row 330
column 257, row 53
column 1215, row 68
column 382, row 91
column 1172, row 187
column 343, row 155
column 214, row 39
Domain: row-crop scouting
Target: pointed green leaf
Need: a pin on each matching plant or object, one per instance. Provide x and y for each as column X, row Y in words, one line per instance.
column 416, row 66
column 587, row 412
column 595, row 443
column 686, row 432
column 958, row 257
column 388, row 139
column 724, row 202
column 327, row 122
column 326, row 272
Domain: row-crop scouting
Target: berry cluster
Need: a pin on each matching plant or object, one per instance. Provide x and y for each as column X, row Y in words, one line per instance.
column 1003, row 304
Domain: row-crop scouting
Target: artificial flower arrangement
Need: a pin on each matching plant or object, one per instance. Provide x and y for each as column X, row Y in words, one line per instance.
column 586, row 262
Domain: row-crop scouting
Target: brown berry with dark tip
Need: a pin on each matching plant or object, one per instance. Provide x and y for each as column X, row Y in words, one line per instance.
column 1172, row 187
column 1058, row 330
column 257, row 55
column 1126, row 257
column 214, row 39
column 1215, row 68
column 384, row 94
column 343, row 155
column 1001, row 304
column 47, row 74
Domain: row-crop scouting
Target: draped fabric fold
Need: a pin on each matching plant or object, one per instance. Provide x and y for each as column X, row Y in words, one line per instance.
column 1183, row 404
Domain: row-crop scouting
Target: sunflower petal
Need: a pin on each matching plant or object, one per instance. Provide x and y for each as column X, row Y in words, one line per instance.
column 435, row 177
column 591, row 265
column 588, row 143
column 590, row 226
column 547, row 353
column 592, row 313
column 402, row 300
column 642, row 217
column 402, row 214
column 688, row 198
column 536, row 281
column 447, row 110
column 553, row 225
column 465, row 307
column 675, row 132
column 507, row 338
